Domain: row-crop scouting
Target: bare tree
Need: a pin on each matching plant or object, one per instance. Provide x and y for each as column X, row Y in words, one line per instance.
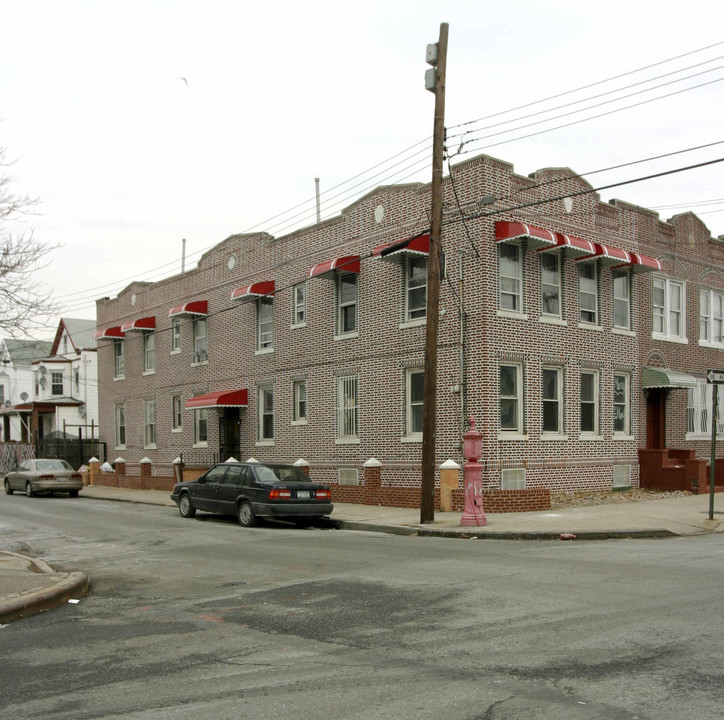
column 24, row 303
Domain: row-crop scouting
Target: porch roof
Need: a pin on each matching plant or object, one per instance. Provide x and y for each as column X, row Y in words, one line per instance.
column 666, row 378
column 225, row 398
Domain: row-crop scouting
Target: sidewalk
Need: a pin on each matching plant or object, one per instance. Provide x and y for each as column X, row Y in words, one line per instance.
column 28, row 585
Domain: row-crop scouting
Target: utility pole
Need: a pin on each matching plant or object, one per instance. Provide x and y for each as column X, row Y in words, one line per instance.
column 437, row 57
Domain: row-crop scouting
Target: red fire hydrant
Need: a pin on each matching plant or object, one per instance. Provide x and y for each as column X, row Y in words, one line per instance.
column 472, row 473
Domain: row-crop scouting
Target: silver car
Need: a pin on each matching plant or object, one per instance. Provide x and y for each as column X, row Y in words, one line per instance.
column 36, row 477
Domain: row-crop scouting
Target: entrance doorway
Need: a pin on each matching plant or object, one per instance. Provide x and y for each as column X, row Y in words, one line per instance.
column 656, row 418
column 230, row 433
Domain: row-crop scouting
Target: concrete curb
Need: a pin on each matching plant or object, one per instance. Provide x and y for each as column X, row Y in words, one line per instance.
column 66, row 586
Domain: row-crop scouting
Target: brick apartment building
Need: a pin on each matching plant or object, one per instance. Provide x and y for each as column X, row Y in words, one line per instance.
column 576, row 332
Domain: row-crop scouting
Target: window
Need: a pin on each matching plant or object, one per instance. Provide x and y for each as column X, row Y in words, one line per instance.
column 299, row 414
column 621, row 299
column 346, row 303
column 552, row 379
column 149, row 351
column 699, row 409
column 56, row 383
column 201, row 426
column 120, row 426
column 711, row 304
column 177, row 412
column 511, row 277
column 347, row 408
column 176, row 335
column 621, row 404
column 414, row 393
column 415, row 288
column 589, row 402
column 149, row 415
column 264, row 324
column 588, row 292
column 669, row 309
column 299, row 309
column 119, row 360
column 200, row 351
column 550, row 282
column 511, row 399
column 2, row 394
column 266, row 413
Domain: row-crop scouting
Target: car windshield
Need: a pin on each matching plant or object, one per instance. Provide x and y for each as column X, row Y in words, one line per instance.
column 52, row 465
column 285, row 473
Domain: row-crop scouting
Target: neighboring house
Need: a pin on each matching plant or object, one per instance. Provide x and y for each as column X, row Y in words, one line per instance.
column 16, row 385
column 63, row 384
column 576, row 332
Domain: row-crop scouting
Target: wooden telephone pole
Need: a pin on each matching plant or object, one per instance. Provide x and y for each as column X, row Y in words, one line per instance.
column 437, row 57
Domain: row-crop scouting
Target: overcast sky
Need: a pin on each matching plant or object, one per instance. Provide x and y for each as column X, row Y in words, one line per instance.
column 141, row 122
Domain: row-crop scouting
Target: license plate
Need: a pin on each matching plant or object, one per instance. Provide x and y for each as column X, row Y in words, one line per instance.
column 303, row 494
column 63, row 478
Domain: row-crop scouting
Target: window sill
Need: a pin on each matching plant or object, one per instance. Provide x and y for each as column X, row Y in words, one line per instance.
column 347, row 441
column 295, row 326
column 552, row 320
column 264, row 443
column 199, row 364
column 669, row 338
column 264, row 351
column 708, row 344
column 554, row 438
column 590, row 438
column 177, row 430
column 200, row 446
column 589, row 326
column 346, row 336
column 119, row 447
column 699, row 436
column 120, row 377
column 417, row 438
column 150, row 447
column 621, row 436
column 175, row 352
column 300, row 422
column 149, row 372
column 623, row 331
column 511, row 437
column 510, row 314
column 417, row 322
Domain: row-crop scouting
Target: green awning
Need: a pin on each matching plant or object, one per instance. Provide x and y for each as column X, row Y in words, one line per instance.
column 665, row 378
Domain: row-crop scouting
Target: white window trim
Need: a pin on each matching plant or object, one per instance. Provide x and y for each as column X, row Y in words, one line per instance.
column 296, row 305
column 519, row 431
column 712, row 294
column 666, row 336
column 626, row 432
column 702, row 404
column 196, row 323
column 626, row 274
column 176, row 428
column 116, row 374
column 197, row 418
column 520, row 278
column 559, row 399
column 587, row 323
column 264, row 303
column 149, row 351
column 411, row 436
column 354, row 332
column 296, row 418
column 340, row 410
column 261, row 414
column 594, row 434
column 120, row 446
column 149, row 445
column 175, row 323
column 547, row 315
column 420, row 319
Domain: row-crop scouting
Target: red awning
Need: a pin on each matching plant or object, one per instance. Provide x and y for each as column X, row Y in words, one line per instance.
column 640, row 263
column 570, row 246
column 607, row 255
column 112, row 333
column 226, row 398
column 147, row 323
column 198, row 307
column 254, row 291
column 419, row 245
column 513, row 231
column 348, row 264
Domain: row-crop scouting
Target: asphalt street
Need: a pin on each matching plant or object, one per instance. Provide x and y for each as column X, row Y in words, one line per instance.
column 202, row 618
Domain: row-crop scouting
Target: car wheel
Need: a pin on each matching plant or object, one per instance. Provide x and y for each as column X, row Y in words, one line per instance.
column 8, row 489
column 246, row 515
column 73, row 493
column 185, row 506
column 29, row 490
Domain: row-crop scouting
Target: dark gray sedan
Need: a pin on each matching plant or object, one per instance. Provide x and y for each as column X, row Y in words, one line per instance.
column 255, row 490
column 36, row 477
